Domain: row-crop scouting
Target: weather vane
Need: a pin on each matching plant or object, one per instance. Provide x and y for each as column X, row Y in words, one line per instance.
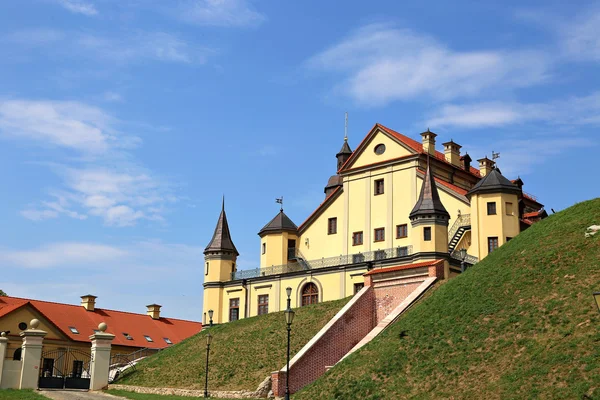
column 495, row 156
column 279, row 200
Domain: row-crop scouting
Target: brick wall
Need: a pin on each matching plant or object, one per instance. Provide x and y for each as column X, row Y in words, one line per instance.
column 338, row 340
column 389, row 294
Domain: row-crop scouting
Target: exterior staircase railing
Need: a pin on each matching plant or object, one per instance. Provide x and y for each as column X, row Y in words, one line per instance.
column 302, row 264
column 461, row 225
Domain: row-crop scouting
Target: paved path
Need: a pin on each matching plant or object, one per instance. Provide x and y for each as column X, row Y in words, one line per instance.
column 77, row 395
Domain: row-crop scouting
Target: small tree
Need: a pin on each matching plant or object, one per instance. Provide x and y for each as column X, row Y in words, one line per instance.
column 2, row 293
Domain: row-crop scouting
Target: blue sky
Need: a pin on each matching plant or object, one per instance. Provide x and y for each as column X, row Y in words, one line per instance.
column 123, row 122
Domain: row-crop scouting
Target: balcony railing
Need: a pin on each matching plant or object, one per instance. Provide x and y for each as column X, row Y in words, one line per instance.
column 462, row 220
column 469, row 259
column 303, row 265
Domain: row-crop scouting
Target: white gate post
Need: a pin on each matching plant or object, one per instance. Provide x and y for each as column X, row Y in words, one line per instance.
column 32, row 355
column 3, row 347
column 100, row 361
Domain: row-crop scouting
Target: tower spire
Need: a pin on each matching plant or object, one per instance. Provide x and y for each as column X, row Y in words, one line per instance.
column 346, row 128
column 221, row 239
column 429, row 202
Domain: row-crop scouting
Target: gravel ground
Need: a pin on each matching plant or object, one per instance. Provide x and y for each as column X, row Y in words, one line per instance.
column 77, row 395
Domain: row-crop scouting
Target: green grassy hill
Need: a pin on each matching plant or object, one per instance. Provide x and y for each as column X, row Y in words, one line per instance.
column 522, row 324
column 243, row 353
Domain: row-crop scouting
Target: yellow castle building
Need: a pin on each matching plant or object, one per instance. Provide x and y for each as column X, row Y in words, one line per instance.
column 394, row 201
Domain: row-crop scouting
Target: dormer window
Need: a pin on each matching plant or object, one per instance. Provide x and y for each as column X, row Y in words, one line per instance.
column 127, row 336
column 167, row 340
column 74, row 330
column 148, row 338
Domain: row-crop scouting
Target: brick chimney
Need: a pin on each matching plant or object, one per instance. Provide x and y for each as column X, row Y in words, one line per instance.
column 485, row 166
column 153, row 311
column 466, row 162
column 429, row 142
column 452, row 153
column 88, row 302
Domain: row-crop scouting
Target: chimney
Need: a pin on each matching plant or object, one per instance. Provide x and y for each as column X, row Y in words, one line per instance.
column 88, row 302
column 429, row 142
column 485, row 166
column 466, row 162
column 153, row 311
column 452, row 153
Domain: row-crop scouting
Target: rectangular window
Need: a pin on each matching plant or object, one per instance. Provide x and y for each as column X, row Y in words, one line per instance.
column 491, row 208
column 401, row 231
column 167, row 340
column 148, row 338
column 206, row 272
column 509, row 209
column 127, row 336
column 357, row 238
column 427, row 234
column 332, row 226
column 401, row 251
column 264, row 248
column 234, row 309
column 378, row 186
column 379, row 234
column 379, row 255
column 358, row 287
column 74, row 330
column 263, row 304
column 492, row 244
column 358, row 258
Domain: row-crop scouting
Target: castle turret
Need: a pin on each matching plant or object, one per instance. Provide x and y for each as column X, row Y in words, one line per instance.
column 219, row 264
column 494, row 212
column 278, row 241
column 336, row 181
column 429, row 220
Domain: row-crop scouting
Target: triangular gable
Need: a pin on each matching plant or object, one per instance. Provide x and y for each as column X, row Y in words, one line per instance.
column 365, row 155
column 322, row 207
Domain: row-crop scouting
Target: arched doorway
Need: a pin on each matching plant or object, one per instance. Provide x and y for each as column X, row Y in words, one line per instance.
column 310, row 294
column 17, row 354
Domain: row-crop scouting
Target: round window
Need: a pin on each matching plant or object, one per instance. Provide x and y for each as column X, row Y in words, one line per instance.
column 380, row 149
column 22, row 326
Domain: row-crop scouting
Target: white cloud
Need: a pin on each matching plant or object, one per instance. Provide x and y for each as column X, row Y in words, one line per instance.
column 61, row 254
column 583, row 110
column 112, row 97
column 39, row 215
column 381, row 64
column 225, row 13
column 78, row 6
column 61, row 123
column 580, row 38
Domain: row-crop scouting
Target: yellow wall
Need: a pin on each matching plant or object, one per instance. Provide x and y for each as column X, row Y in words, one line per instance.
column 276, row 248
column 320, row 244
column 499, row 225
column 393, row 149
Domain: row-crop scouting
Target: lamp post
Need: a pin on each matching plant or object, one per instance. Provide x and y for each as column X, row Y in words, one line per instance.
column 208, row 342
column 289, row 318
column 597, row 298
column 462, row 254
column 210, row 315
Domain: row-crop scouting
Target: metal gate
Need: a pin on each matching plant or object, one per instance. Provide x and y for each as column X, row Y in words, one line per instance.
column 65, row 369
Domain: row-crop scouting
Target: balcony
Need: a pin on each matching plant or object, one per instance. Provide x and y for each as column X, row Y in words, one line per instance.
column 304, row 265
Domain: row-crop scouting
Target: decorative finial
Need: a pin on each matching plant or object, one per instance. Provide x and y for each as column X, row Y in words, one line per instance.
column 223, row 204
column 346, row 128
column 34, row 323
column 428, row 130
column 279, row 200
column 3, row 334
column 102, row 327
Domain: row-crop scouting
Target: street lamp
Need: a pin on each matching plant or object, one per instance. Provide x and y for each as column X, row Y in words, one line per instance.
column 289, row 318
column 210, row 315
column 208, row 342
column 462, row 254
column 597, row 298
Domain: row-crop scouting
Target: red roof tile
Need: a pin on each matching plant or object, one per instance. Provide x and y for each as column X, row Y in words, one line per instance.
column 64, row 316
column 403, row 267
column 449, row 185
column 532, row 214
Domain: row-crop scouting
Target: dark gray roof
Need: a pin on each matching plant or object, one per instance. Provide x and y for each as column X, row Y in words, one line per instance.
column 429, row 202
column 345, row 148
column 221, row 240
column 280, row 223
column 494, row 182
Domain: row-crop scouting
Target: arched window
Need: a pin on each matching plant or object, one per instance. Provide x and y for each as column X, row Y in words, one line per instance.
column 310, row 294
column 17, row 354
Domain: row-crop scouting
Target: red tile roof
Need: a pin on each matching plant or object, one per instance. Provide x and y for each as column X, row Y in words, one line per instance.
column 527, row 221
column 64, row 316
column 449, row 185
column 532, row 214
column 403, row 267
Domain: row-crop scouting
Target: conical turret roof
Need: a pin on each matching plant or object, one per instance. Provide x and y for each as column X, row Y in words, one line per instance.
column 280, row 223
column 221, row 240
column 429, row 202
column 345, row 148
column 494, row 182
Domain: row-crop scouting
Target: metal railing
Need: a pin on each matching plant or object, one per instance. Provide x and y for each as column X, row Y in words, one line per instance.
column 469, row 259
column 302, row 264
column 462, row 220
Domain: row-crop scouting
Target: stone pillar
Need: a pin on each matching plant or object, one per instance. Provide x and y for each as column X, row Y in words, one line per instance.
column 32, row 355
column 101, row 343
column 3, row 347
